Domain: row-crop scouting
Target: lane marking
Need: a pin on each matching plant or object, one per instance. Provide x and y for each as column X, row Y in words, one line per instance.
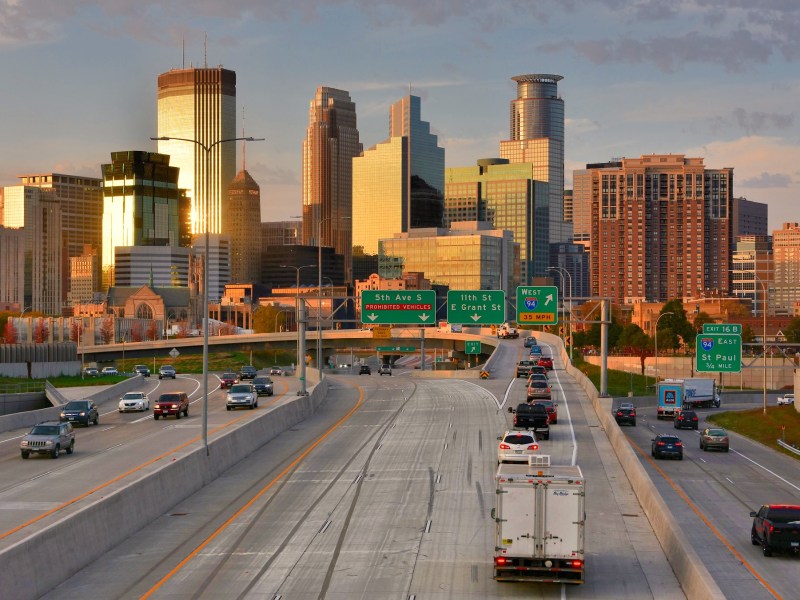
column 766, row 469
column 705, row 520
column 566, row 405
column 255, row 498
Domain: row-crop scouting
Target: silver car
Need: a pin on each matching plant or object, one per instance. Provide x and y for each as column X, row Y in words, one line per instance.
column 134, row 401
column 242, row 395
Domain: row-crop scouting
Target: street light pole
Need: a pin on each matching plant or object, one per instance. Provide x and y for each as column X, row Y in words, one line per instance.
column 207, row 203
column 319, row 291
column 563, row 281
column 562, row 271
column 297, row 306
column 656, row 342
column 764, row 338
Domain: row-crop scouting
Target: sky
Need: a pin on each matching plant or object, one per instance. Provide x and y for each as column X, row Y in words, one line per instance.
column 717, row 79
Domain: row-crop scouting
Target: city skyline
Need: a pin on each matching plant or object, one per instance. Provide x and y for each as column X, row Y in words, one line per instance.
column 704, row 79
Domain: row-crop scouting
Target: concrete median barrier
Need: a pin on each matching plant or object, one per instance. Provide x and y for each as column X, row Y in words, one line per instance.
column 35, row 564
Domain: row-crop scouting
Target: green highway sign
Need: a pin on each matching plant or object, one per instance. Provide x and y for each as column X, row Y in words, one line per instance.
column 476, row 307
column 472, row 347
column 718, row 353
column 537, row 305
column 722, row 328
column 396, row 349
column 392, row 307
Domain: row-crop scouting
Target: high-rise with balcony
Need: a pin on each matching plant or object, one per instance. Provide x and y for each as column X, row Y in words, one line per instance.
column 660, row 228
column 398, row 184
column 200, row 104
column 330, row 145
column 536, row 136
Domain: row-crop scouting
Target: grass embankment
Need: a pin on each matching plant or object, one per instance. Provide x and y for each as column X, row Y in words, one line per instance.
column 619, row 382
column 189, row 363
column 762, row 428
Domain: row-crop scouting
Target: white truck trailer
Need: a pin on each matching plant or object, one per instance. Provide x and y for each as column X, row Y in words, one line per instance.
column 540, row 520
column 700, row 391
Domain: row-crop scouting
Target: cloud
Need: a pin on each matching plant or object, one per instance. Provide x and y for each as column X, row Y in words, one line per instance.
column 265, row 175
column 756, row 122
column 580, row 125
column 767, row 180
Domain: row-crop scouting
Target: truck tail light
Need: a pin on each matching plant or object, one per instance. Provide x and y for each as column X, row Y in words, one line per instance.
column 575, row 564
column 502, row 560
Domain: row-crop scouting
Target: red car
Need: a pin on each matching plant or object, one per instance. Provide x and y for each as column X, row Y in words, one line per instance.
column 546, row 362
column 226, row 380
column 552, row 409
column 173, row 403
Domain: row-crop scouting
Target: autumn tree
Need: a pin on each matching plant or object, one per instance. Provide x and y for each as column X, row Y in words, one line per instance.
column 136, row 332
column 107, row 330
column 632, row 340
column 152, row 330
column 41, row 332
column 75, row 331
column 10, row 335
column 182, row 330
column 792, row 331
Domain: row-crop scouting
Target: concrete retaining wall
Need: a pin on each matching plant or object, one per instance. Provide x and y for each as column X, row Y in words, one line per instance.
column 11, row 404
column 687, row 565
column 105, row 522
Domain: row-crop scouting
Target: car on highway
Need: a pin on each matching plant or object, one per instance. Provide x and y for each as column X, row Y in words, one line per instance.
column 364, row 370
column 666, row 444
column 776, row 528
column 532, row 417
column 385, row 370
column 686, row 419
column 48, row 437
column 91, row 372
column 546, row 362
column 109, row 371
column 263, row 386
column 552, row 409
column 134, row 401
column 516, row 446
column 80, row 411
column 714, row 437
column 276, row 370
column 227, row 379
column 242, row 395
column 539, row 370
column 537, row 377
column 786, row 399
column 530, row 341
column 172, row 403
column 167, row 371
column 538, row 389
column 248, row 372
column 142, row 370
column 625, row 413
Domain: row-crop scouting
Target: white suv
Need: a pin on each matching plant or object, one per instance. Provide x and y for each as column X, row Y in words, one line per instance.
column 785, row 399
column 242, row 395
column 385, row 370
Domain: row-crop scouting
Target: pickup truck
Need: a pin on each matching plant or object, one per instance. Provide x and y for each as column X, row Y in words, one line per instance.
column 524, row 368
column 533, row 417
column 505, row 332
column 776, row 528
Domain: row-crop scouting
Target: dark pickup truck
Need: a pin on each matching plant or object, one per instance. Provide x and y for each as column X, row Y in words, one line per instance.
column 524, row 368
column 776, row 528
column 533, row 417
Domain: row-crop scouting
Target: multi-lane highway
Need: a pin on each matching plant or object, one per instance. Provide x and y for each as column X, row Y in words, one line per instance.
column 124, row 446
column 385, row 492
column 711, row 495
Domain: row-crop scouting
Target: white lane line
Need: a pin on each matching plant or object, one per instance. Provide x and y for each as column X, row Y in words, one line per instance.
column 766, row 469
column 566, row 406
column 484, row 390
column 703, row 459
column 13, row 438
column 728, row 478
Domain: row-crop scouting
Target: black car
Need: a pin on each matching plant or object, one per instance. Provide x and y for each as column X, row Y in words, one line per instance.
column 80, row 411
column 686, row 419
column 248, row 372
column 625, row 413
column 364, row 370
column 263, row 386
column 665, row 444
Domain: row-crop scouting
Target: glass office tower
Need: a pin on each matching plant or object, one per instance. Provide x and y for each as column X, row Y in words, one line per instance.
column 200, row 104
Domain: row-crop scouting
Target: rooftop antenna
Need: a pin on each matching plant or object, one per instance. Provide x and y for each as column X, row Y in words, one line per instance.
column 243, row 140
column 183, row 53
column 205, row 50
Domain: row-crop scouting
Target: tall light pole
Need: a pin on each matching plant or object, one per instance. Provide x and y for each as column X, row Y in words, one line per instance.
column 563, row 282
column 764, row 337
column 319, row 290
column 563, row 271
column 656, row 342
column 297, row 305
column 207, row 213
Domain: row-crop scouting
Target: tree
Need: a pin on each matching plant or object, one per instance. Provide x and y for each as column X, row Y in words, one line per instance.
column 792, row 331
column 632, row 340
column 182, row 330
column 747, row 335
column 676, row 325
column 136, row 332
column 152, row 330
column 701, row 319
column 267, row 318
column 107, row 330
column 10, row 335
column 41, row 332
column 75, row 331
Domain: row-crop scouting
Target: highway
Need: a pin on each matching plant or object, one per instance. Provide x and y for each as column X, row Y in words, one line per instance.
column 124, row 446
column 711, row 495
column 384, row 493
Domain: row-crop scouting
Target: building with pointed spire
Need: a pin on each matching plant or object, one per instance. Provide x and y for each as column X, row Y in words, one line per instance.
column 241, row 222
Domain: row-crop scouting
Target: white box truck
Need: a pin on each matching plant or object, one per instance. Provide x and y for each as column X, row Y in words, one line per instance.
column 700, row 391
column 540, row 520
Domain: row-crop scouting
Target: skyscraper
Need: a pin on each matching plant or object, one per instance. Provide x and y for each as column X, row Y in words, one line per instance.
column 142, row 206
column 330, row 145
column 389, row 196
column 786, row 253
column 199, row 104
column 241, row 222
column 536, row 135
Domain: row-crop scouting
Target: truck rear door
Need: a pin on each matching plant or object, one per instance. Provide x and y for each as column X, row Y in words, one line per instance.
column 518, row 516
column 563, row 512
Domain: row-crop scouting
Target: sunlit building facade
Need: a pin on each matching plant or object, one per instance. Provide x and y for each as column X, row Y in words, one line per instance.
column 12, row 266
column 388, row 196
column 219, row 261
column 536, row 136
column 161, row 266
column 753, row 273
column 331, row 143
column 83, row 279
column 142, row 206
column 200, row 104
column 786, row 251
column 510, row 198
column 242, row 224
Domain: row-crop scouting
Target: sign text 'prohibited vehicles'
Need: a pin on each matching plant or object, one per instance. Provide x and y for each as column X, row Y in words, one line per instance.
column 407, row 307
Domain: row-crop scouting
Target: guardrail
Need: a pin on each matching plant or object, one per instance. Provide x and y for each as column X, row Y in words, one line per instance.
column 789, row 447
column 28, row 387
